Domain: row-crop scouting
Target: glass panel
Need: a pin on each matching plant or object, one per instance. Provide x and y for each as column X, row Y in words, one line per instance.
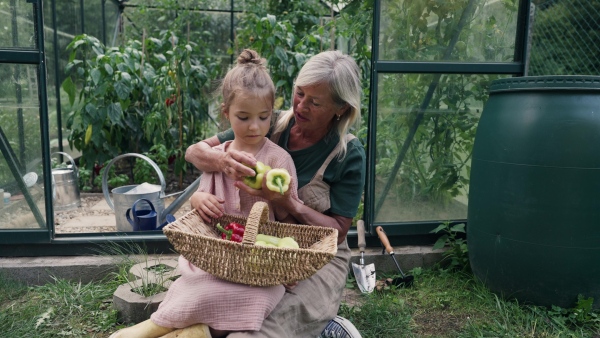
column 423, row 159
column 421, row 30
column 111, row 14
column 564, row 39
column 20, row 141
column 16, row 24
column 93, row 19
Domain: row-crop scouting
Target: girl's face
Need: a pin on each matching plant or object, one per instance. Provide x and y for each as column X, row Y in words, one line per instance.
column 250, row 118
column 314, row 108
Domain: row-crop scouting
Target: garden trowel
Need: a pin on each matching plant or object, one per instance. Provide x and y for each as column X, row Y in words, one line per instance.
column 364, row 274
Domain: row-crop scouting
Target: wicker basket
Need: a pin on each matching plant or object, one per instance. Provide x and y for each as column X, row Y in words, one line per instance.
column 245, row 263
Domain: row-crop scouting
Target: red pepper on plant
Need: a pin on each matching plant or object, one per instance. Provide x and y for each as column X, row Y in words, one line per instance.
column 170, row 100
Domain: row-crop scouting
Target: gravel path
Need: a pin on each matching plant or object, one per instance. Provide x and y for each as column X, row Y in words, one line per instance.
column 88, row 201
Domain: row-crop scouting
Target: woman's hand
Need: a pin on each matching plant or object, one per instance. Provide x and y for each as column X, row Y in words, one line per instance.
column 231, row 163
column 208, row 205
column 237, row 164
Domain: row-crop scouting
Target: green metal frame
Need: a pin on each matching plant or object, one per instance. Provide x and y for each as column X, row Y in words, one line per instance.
column 412, row 232
column 35, row 56
column 26, row 242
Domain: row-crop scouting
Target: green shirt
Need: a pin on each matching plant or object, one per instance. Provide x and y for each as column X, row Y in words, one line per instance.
column 346, row 178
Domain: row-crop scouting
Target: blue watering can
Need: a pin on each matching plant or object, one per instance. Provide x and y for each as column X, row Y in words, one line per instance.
column 145, row 219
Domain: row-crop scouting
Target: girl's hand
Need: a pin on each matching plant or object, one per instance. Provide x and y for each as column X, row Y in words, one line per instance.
column 237, row 164
column 269, row 195
column 208, row 205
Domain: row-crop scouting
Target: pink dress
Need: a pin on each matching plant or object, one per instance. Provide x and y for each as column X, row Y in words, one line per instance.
column 197, row 296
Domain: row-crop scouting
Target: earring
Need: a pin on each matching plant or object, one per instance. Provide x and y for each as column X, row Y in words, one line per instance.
column 338, row 117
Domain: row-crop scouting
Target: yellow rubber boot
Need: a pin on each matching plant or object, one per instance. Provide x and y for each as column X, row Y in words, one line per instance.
column 145, row 329
column 194, row 331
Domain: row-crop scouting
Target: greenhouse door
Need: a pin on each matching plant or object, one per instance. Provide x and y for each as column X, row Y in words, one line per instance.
column 25, row 177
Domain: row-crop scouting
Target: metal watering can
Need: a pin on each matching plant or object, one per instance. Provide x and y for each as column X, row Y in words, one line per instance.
column 124, row 197
column 144, row 219
column 65, row 186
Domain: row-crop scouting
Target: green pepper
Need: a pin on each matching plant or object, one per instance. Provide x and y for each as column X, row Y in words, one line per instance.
column 272, row 241
column 255, row 182
column 278, row 180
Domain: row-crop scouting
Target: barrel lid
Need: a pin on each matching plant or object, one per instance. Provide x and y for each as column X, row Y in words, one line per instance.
column 556, row 82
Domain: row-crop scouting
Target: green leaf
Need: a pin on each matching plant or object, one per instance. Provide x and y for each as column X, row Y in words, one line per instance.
column 126, row 76
column 78, row 43
column 160, row 57
column 69, row 87
column 440, row 243
column 281, row 54
column 96, row 75
column 272, row 19
column 91, row 109
column 72, row 64
column 458, row 228
column 108, row 69
column 438, row 229
column 122, row 90
column 280, row 83
column 115, row 113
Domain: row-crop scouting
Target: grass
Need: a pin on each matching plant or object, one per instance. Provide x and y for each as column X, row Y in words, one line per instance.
column 444, row 303
column 440, row 304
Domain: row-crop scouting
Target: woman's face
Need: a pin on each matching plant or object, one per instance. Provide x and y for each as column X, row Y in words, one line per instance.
column 314, row 108
column 250, row 118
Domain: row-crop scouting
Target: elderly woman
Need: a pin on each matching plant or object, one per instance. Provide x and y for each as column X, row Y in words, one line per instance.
column 330, row 164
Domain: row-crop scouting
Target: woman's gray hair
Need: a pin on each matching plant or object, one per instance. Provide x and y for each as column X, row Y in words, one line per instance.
column 342, row 74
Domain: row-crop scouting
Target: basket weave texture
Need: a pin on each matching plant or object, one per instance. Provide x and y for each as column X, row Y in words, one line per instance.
column 246, row 263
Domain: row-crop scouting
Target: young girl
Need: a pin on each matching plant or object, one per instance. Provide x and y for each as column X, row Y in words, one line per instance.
column 196, row 296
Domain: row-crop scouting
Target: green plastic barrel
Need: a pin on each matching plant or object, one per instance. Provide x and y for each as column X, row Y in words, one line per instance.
column 533, row 228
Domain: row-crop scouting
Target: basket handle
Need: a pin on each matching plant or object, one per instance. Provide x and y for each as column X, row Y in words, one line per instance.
column 258, row 215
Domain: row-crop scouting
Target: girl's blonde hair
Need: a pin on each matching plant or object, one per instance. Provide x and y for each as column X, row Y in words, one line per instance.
column 341, row 73
column 249, row 76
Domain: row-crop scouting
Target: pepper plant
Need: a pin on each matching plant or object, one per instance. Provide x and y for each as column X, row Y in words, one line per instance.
column 127, row 99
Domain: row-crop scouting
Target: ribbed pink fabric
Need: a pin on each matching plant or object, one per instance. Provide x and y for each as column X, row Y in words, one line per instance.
column 198, row 297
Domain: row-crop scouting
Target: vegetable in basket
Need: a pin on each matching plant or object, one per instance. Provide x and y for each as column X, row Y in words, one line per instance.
column 272, row 241
column 255, row 182
column 232, row 232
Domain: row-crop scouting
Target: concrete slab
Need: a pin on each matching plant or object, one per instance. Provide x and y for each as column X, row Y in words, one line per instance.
column 38, row 270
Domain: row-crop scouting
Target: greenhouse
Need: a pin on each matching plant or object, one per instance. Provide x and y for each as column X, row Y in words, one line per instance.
column 87, row 82
column 479, row 120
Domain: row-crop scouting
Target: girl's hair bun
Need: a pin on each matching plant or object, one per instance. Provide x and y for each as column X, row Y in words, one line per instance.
column 249, row 56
